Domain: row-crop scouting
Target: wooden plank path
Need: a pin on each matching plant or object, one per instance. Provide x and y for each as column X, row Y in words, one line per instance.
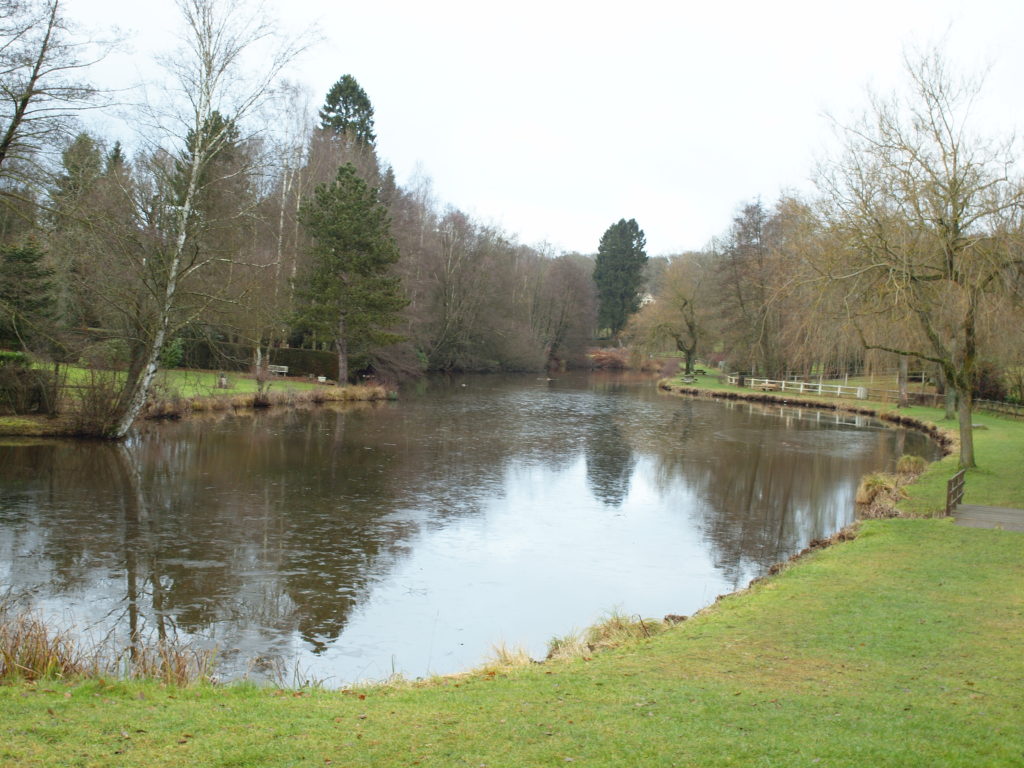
column 974, row 516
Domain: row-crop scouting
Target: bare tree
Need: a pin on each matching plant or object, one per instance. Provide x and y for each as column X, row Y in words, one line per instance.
column 217, row 83
column 679, row 313
column 42, row 83
column 924, row 208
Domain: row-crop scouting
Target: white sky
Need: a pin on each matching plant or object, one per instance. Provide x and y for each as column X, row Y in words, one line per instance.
column 555, row 119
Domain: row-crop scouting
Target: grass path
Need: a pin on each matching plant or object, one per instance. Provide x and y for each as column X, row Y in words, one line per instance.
column 900, row 648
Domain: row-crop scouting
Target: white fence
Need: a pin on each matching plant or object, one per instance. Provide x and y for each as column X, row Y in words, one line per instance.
column 803, row 387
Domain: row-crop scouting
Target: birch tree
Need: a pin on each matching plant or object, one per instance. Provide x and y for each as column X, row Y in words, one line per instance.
column 230, row 59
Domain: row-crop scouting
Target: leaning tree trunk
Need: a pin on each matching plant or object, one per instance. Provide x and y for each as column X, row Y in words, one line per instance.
column 134, row 400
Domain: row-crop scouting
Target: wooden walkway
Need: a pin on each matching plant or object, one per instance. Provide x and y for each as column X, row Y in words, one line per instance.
column 974, row 516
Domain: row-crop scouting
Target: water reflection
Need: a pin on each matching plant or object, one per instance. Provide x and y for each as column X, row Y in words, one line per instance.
column 410, row 536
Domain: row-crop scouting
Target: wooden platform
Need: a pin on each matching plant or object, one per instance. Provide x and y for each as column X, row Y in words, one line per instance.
column 989, row 517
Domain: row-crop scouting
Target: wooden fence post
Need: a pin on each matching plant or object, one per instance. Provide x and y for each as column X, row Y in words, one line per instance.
column 955, row 491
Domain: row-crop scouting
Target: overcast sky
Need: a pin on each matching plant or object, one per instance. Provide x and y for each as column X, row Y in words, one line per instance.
column 556, row 119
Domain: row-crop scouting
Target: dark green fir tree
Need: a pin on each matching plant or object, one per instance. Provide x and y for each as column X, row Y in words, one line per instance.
column 349, row 296
column 347, row 112
column 618, row 274
column 26, row 297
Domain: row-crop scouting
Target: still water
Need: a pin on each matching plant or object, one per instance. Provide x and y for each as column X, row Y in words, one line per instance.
column 410, row 537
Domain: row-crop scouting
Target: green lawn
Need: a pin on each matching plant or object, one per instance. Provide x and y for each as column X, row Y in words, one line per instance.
column 900, row 648
column 182, row 382
column 189, row 383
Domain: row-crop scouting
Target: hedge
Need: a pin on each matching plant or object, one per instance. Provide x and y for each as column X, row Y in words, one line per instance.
column 222, row 355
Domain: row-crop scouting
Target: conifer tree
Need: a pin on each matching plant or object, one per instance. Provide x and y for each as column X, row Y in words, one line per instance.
column 347, row 112
column 618, row 274
column 349, row 296
column 26, row 298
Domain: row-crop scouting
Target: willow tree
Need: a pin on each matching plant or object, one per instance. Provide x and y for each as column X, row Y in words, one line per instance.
column 679, row 312
column 923, row 207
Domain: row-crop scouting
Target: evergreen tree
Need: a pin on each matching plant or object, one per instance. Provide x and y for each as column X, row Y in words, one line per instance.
column 83, row 164
column 349, row 296
column 26, row 299
column 219, row 138
column 115, row 160
column 347, row 112
column 618, row 274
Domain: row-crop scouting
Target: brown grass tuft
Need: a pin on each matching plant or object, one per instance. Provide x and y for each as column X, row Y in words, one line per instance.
column 911, row 465
column 29, row 650
column 504, row 658
column 32, row 650
column 616, row 630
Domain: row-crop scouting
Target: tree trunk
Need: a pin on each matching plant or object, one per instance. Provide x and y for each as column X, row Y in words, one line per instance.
column 966, row 402
column 341, row 343
column 951, row 403
column 903, row 399
column 134, row 399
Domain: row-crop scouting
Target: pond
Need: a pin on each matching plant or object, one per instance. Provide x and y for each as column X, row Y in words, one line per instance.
column 410, row 537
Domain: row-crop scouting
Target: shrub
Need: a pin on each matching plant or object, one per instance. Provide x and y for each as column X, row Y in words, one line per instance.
column 989, row 382
column 8, row 357
column 95, row 403
column 610, row 358
column 173, row 353
column 24, row 389
column 306, row 362
column 205, row 354
column 108, row 354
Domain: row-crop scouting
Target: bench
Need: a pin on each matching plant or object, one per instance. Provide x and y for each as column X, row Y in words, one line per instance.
column 278, row 370
column 766, row 387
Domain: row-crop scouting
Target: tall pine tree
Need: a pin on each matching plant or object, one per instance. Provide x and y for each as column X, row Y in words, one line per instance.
column 618, row 274
column 347, row 112
column 349, row 296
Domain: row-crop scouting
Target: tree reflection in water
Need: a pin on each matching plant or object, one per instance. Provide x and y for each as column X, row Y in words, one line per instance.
column 266, row 534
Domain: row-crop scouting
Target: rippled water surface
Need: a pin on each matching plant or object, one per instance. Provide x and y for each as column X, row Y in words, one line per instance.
column 412, row 536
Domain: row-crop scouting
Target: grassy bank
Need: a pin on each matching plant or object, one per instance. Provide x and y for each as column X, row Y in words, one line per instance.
column 899, row 648
column 179, row 393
